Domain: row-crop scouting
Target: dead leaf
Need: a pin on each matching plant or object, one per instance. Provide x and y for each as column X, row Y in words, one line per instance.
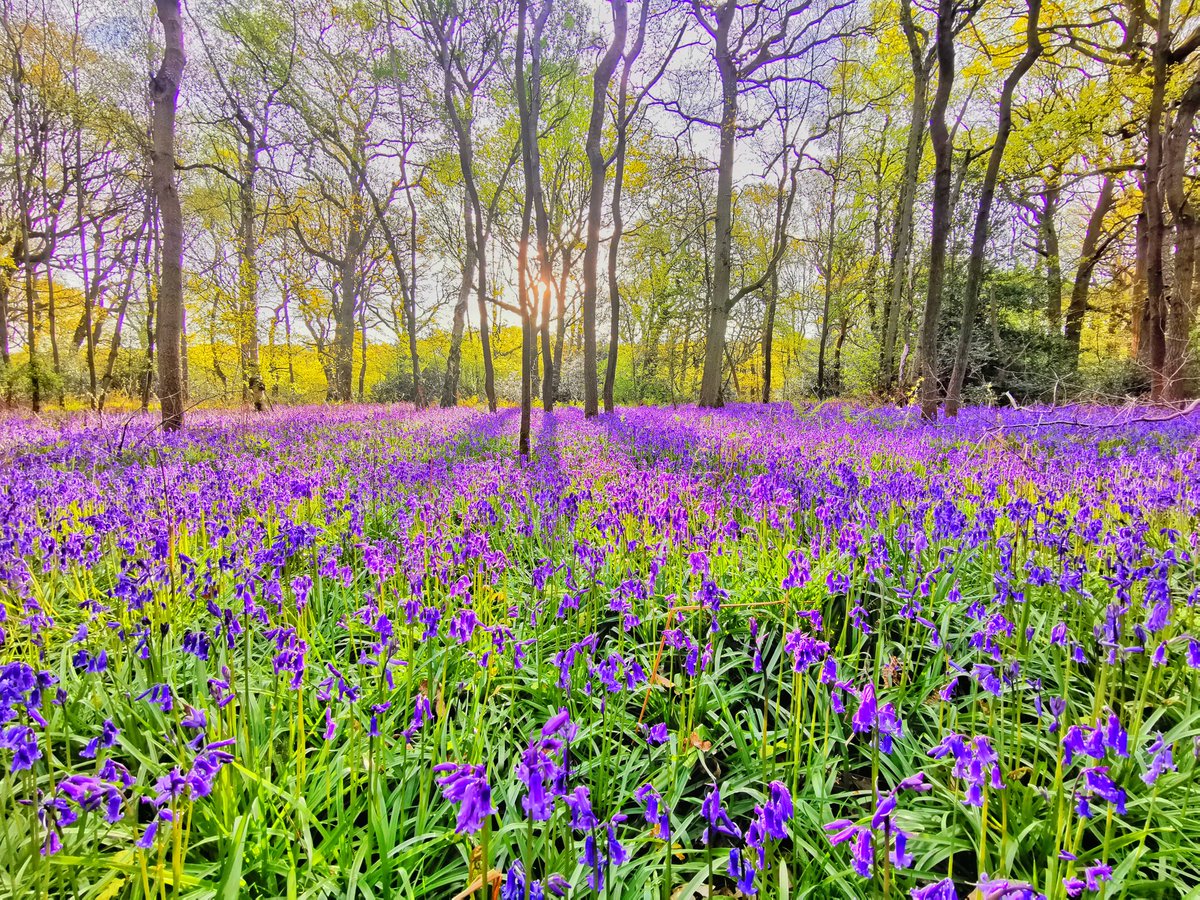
column 495, row 877
column 702, row 746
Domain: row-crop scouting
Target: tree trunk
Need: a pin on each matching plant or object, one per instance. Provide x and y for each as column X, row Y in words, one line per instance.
column 718, row 312
column 614, row 242
column 248, row 275
column 1089, row 255
column 1179, row 297
column 165, row 94
column 362, row 362
column 454, row 355
column 902, row 228
column 410, row 306
column 1155, row 320
column 527, row 120
column 344, row 318
column 596, row 170
column 943, row 154
column 1049, row 229
column 560, row 317
column 768, row 340
column 1033, row 50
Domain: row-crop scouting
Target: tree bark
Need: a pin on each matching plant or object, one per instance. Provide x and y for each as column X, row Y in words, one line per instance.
column 1154, row 325
column 1179, row 297
column 718, row 313
column 1048, row 226
column 454, row 355
column 1089, row 255
column 768, row 340
column 596, row 171
column 1033, row 50
column 614, row 242
column 943, row 153
column 165, row 95
column 902, row 229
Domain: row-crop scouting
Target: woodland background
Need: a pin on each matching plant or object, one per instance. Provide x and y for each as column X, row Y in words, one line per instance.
column 652, row 202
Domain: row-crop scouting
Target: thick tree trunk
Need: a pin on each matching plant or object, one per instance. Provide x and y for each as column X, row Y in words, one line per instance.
column 596, row 171
column 165, row 94
column 1179, row 299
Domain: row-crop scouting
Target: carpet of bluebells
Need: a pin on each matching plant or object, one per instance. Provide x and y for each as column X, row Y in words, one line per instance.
column 371, row 652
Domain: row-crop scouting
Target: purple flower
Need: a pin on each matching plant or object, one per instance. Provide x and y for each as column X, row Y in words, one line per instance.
column 1160, row 759
column 718, row 820
column 657, row 734
column 742, row 871
column 106, row 738
column 860, row 840
column 940, row 890
column 1003, row 889
column 657, row 814
column 538, row 770
column 881, row 721
column 579, row 802
column 467, row 785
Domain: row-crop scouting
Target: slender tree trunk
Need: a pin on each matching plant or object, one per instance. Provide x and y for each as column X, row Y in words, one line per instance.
column 454, row 355
column 1033, row 50
column 410, row 306
column 768, row 340
column 24, row 203
column 943, row 154
column 362, row 362
column 165, row 94
column 1089, row 255
column 1048, row 226
column 252, row 383
column 528, row 338
column 560, row 318
column 153, row 266
column 527, row 119
column 902, row 228
column 1141, row 306
column 485, row 334
column 714, row 346
column 1155, row 321
column 344, row 318
column 596, row 170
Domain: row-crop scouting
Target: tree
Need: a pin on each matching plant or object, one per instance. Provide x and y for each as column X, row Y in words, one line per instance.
column 597, row 169
column 952, row 16
column 1033, row 50
column 250, row 80
column 750, row 41
column 164, row 89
